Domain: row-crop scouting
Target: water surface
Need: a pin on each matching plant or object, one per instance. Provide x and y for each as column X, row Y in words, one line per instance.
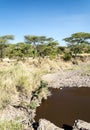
column 65, row 106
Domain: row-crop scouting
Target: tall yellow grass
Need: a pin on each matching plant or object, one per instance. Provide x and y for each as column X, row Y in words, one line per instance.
column 17, row 79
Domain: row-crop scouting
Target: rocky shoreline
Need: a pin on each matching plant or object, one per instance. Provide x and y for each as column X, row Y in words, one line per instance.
column 68, row 78
column 78, row 125
column 77, row 77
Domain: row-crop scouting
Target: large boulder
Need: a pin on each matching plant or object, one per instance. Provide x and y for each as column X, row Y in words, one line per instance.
column 47, row 125
column 81, row 125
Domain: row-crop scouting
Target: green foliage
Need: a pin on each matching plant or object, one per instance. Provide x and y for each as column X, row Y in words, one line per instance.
column 48, row 49
column 19, row 50
column 67, row 56
column 3, row 41
column 76, row 42
column 77, row 38
column 33, row 105
column 10, row 125
column 76, row 50
column 61, row 49
column 32, row 40
column 87, row 49
column 42, row 46
column 43, row 84
column 41, row 92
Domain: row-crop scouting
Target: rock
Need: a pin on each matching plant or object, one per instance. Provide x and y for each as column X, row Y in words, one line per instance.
column 81, row 125
column 47, row 125
column 78, row 125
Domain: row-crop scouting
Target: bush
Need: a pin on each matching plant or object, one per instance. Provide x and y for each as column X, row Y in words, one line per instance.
column 43, row 84
column 67, row 56
column 33, row 105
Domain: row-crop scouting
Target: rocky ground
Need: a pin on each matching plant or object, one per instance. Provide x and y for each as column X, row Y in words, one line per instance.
column 78, row 125
column 79, row 76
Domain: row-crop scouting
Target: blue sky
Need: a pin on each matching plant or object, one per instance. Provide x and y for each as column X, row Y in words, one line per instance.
column 52, row 18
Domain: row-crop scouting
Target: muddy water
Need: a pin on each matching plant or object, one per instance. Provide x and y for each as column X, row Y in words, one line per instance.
column 65, row 106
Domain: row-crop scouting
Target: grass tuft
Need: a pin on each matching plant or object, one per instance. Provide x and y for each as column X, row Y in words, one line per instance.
column 10, row 125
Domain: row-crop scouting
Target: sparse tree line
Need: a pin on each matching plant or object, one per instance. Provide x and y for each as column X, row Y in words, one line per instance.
column 41, row 46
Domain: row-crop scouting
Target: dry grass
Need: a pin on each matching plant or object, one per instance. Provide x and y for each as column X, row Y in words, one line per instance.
column 10, row 125
column 47, row 66
column 17, row 79
column 23, row 78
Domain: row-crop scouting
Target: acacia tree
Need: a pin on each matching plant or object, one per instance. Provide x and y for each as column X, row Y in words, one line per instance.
column 32, row 40
column 38, row 43
column 3, row 41
column 76, row 41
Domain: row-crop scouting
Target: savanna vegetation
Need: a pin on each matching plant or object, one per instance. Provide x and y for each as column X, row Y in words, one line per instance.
column 42, row 46
column 20, row 77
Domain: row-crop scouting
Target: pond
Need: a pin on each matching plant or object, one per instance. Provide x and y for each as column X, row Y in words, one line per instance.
column 64, row 106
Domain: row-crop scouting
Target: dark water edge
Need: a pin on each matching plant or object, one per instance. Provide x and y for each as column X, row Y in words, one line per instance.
column 64, row 106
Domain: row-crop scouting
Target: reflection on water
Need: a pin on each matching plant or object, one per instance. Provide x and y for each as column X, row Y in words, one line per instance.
column 65, row 106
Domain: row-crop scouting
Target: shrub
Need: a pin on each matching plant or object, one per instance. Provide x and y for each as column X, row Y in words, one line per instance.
column 33, row 105
column 43, row 84
column 43, row 90
column 67, row 56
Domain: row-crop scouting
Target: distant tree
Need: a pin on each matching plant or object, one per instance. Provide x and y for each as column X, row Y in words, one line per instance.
column 48, row 47
column 39, row 44
column 32, row 40
column 87, row 49
column 22, row 49
column 76, row 41
column 3, row 41
column 19, row 50
column 61, row 49
column 9, row 50
column 52, row 48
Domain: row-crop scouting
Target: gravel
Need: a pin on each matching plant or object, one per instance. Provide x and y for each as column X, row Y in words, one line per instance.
column 68, row 78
